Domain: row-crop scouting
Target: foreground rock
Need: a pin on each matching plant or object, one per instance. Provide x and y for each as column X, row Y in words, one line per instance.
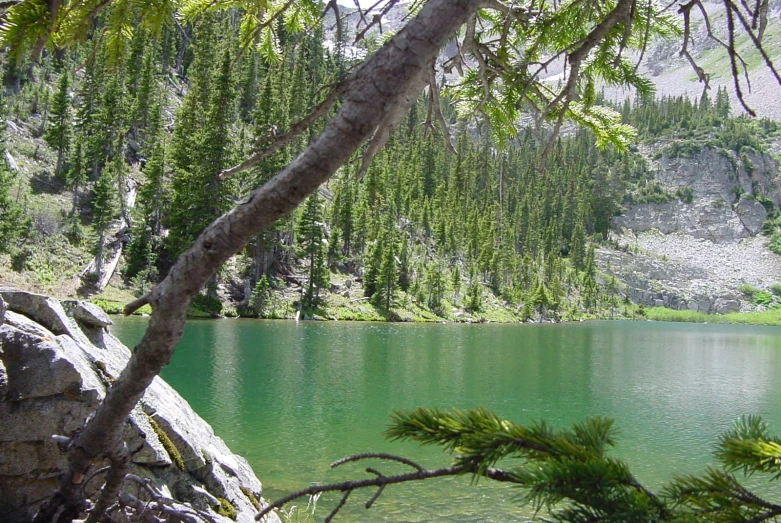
column 56, row 361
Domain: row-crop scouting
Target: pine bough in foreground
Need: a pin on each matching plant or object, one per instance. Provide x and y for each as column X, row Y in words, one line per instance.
column 567, row 475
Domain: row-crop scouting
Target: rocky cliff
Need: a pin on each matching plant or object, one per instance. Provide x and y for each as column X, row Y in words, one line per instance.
column 56, row 361
column 696, row 254
column 723, row 188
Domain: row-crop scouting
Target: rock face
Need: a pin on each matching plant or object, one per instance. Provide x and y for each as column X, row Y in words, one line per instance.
column 56, row 360
column 697, row 255
column 722, row 185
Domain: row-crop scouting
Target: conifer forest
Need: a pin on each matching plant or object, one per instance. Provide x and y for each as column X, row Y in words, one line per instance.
column 129, row 139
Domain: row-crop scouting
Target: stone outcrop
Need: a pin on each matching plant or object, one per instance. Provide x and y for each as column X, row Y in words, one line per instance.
column 722, row 185
column 56, row 361
column 697, row 255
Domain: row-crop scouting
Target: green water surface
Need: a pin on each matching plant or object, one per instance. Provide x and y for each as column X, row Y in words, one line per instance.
column 292, row 398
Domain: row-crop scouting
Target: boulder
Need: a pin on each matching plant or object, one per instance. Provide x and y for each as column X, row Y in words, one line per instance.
column 726, row 306
column 2, row 310
column 752, row 215
column 46, row 311
column 87, row 313
column 56, row 362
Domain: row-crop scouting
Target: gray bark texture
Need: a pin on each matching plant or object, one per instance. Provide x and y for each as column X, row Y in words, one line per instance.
column 376, row 89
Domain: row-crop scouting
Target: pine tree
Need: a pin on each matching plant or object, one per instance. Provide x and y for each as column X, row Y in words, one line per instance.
column 474, row 296
column 58, row 134
column 540, row 299
column 13, row 223
column 104, row 210
column 261, row 294
column 589, row 289
column 456, row 281
column 311, row 241
column 387, row 277
column 372, row 263
column 577, row 249
column 405, row 264
column 200, row 149
column 153, row 199
column 435, row 287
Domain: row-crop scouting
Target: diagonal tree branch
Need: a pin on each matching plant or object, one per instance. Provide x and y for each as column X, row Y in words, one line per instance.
column 379, row 87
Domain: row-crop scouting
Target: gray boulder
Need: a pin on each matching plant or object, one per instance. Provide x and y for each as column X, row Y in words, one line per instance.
column 88, row 313
column 56, row 363
column 752, row 215
column 726, row 306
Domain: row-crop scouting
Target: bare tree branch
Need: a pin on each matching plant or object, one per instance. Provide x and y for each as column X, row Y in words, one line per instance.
column 382, row 481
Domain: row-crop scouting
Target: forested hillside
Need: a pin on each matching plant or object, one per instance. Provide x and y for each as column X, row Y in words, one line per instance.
column 114, row 154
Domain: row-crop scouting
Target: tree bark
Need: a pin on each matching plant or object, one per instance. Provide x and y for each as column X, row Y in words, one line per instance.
column 378, row 87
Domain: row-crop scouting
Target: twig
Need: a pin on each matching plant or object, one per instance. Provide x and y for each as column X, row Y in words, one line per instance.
column 436, row 104
column 733, row 55
column 338, row 507
column 120, row 464
column 376, row 455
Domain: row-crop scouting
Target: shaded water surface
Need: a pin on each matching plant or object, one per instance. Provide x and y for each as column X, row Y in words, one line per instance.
column 292, row 398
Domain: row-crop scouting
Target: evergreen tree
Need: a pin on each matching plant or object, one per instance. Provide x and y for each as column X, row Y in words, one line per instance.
column 153, row 199
column 58, row 134
column 13, row 223
column 456, row 282
column 387, row 277
column 589, row 288
column 435, row 287
column 261, row 294
column 104, row 211
column 312, row 248
column 201, row 148
column 474, row 296
column 577, row 249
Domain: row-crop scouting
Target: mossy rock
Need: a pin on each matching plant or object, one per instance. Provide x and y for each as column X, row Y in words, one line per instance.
column 251, row 497
column 226, row 509
column 168, row 445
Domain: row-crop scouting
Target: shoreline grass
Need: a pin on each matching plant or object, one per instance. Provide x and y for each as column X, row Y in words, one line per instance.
column 766, row 318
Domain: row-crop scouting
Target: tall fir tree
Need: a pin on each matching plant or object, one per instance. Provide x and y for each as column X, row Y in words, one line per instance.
column 13, row 222
column 58, row 133
column 312, row 248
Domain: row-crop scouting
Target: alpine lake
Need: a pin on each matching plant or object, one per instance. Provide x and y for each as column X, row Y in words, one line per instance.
column 294, row 397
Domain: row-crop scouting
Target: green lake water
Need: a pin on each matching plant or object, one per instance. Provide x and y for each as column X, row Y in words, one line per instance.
column 292, row 398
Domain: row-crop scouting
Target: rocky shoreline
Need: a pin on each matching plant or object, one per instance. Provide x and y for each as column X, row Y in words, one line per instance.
column 57, row 359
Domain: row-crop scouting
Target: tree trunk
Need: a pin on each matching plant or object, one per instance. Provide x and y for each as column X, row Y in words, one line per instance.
column 380, row 85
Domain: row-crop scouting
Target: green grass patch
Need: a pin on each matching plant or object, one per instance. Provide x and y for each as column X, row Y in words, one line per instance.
column 771, row 317
column 115, row 307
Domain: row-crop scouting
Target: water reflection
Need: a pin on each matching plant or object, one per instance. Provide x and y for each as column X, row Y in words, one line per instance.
column 293, row 398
